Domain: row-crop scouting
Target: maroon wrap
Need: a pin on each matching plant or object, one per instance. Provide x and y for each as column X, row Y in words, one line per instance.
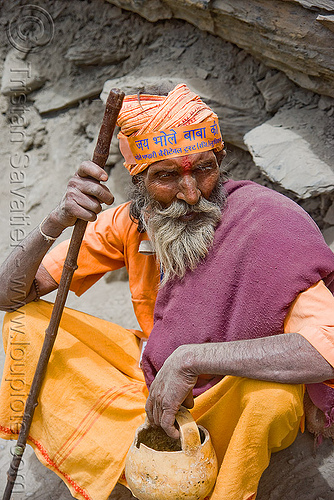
column 266, row 250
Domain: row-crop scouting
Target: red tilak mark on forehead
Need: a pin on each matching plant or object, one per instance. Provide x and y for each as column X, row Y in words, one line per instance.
column 186, row 164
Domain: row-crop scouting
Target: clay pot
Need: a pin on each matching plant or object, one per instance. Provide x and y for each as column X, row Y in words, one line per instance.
column 161, row 474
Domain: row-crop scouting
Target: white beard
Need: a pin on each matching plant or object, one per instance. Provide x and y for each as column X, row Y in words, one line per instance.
column 181, row 245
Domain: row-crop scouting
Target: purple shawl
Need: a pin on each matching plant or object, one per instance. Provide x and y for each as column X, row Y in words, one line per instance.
column 266, row 250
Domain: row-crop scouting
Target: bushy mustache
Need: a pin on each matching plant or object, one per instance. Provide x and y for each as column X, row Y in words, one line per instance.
column 180, row 208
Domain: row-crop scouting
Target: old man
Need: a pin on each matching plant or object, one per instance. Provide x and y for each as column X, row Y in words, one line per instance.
column 240, row 279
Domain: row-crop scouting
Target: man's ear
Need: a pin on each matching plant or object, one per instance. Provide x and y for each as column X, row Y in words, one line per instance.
column 220, row 155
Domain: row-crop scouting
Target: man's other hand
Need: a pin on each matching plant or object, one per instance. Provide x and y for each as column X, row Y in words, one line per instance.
column 171, row 388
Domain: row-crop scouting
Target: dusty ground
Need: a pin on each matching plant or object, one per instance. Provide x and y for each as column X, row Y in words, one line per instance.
column 94, row 42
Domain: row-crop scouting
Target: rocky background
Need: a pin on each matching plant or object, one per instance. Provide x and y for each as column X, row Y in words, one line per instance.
column 266, row 68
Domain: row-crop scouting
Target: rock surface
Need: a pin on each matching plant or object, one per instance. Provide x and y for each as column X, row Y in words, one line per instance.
column 286, row 35
column 327, row 21
column 316, row 4
column 287, row 147
column 286, row 158
column 19, row 76
column 329, row 237
column 329, row 217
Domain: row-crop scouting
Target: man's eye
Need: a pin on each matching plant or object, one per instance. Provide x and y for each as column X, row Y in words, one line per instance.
column 166, row 175
column 204, row 168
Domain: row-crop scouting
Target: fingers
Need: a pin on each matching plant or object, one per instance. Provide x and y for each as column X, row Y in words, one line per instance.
column 91, row 169
column 90, row 187
column 153, row 406
column 164, row 418
column 88, row 180
column 168, row 424
column 84, row 212
column 189, row 401
column 171, row 387
column 163, row 404
column 149, row 410
column 84, row 195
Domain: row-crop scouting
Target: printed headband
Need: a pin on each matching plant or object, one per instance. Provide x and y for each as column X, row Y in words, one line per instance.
column 178, row 141
column 155, row 127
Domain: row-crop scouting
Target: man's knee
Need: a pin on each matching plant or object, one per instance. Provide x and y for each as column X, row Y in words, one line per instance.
column 278, row 408
column 273, row 400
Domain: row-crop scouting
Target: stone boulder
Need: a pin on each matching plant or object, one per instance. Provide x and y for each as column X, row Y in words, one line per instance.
column 293, row 36
column 286, row 158
column 20, row 76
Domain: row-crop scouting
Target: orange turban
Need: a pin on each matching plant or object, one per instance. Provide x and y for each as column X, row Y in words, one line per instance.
column 154, row 113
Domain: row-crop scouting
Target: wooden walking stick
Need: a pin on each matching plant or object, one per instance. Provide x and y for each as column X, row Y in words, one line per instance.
column 101, row 152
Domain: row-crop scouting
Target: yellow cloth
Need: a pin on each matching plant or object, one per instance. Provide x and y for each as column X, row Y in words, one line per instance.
column 247, row 420
column 93, row 400
column 152, row 113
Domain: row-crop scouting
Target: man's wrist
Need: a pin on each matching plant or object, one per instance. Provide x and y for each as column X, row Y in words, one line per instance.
column 50, row 228
column 202, row 359
column 189, row 356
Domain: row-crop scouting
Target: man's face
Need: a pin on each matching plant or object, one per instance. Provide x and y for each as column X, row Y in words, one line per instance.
column 180, row 202
column 184, row 178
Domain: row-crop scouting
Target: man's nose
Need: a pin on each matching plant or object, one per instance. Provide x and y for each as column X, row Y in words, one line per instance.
column 188, row 190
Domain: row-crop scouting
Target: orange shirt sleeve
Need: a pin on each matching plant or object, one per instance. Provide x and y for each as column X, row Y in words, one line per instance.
column 102, row 250
column 312, row 316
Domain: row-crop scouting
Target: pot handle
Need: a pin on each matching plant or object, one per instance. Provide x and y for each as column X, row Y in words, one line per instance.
column 189, row 433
